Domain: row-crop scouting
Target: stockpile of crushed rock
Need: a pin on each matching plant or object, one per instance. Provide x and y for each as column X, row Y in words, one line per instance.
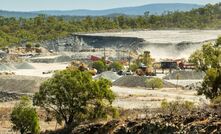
column 5, row 67
column 194, row 86
column 63, row 58
column 112, row 76
column 24, row 65
column 5, row 96
column 185, row 75
column 137, row 81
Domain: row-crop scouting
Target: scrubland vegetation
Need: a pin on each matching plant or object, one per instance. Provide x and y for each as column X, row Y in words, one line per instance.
column 17, row 31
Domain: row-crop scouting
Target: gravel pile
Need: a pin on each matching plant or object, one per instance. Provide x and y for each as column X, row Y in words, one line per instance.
column 4, row 67
column 194, row 86
column 63, row 59
column 186, row 75
column 5, row 96
column 112, row 76
column 137, row 81
column 24, row 65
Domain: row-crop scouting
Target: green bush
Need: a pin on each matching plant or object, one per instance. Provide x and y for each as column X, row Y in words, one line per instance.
column 24, row 117
column 154, row 83
column 177, row 107
column 208, row 59
column 134, row 67
column 100, row 66
column 37, row 45
column 28, row 46
column 116, row 66
column 217, row 100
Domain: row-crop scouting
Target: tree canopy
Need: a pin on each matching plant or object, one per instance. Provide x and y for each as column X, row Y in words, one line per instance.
column 208, row 59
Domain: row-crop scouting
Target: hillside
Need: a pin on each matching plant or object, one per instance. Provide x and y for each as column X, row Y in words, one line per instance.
column 18, row 31
column 139, row 10
column 18, row 14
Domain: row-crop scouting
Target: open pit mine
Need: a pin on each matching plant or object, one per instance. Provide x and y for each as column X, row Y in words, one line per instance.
column 22, row 71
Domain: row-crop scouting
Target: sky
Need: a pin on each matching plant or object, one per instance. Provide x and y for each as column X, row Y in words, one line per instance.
column 34, row 5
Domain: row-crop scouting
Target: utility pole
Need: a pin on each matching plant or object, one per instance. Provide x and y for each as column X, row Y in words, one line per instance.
column 104, row 53
column 129, row 58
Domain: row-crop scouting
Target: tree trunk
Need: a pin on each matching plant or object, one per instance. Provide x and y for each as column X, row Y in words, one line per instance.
column 22, row 131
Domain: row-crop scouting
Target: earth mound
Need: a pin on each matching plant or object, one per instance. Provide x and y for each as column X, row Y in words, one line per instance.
column 112, row 76
column 137, row 81
column 185, row 75
column 24, row 65
column 4, row 67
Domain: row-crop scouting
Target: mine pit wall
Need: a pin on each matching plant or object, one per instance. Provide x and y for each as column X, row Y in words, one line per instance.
column 76, row 43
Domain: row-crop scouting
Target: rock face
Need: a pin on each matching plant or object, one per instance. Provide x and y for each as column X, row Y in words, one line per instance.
column 76, row 42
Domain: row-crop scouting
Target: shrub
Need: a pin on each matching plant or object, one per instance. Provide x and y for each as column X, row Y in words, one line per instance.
column 211, row 86
column 37, row 45
column 154, row 83
column 28, row 46
column 177, row 107
column 134, row 67
column 100, row 66
column 24, row 117
column 217, row 100
column 116, row 66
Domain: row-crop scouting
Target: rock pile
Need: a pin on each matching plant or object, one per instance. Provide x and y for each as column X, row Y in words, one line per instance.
column 63, row 58
column 5, row 96
column 24, row 65
column 108, row 75
column 4, row 67
column 185, row 75
column 137, row 81
column 194, row 86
